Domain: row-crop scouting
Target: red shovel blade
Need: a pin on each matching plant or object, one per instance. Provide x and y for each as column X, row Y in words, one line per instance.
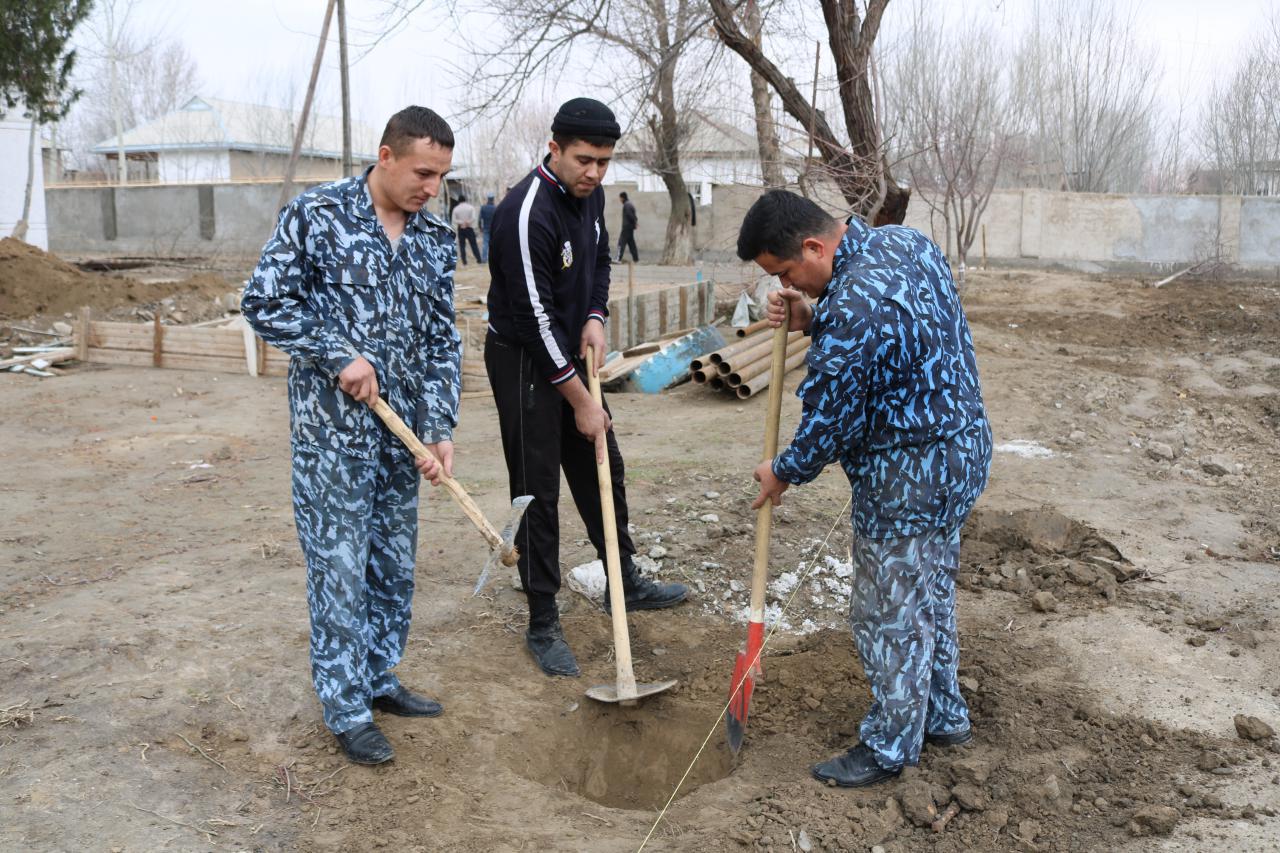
column 745, row 670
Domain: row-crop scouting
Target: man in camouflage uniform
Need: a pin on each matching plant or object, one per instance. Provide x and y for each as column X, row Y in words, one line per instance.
column 356, row 284
column 892, row 394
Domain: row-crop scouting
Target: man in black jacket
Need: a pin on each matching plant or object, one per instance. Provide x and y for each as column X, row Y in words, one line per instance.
column 548, row 300
column 629, row 223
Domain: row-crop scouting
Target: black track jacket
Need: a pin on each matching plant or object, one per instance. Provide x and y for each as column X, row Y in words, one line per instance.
column 549, row 269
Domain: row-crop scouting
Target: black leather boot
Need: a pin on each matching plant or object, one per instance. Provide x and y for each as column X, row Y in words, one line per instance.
column 545, row 638
column 857, row 768
column 642, row 593
column 365, row 744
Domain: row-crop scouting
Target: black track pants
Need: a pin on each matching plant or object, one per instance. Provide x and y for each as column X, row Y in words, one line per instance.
column 538, row 440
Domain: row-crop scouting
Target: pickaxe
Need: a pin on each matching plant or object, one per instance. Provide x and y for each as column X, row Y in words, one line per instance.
column 502, row 545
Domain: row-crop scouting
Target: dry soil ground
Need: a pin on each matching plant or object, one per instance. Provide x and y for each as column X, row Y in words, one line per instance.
column 153, row 627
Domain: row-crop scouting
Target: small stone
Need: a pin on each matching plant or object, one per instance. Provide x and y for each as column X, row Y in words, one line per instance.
column 1197, row 640
column 411, row 799
column 1216, row 465
column 737, row 586
column 1251, row 728
column 971, row 769
column 803, row 842
column 1155, row 820
column 711, row 495
column 997, row 818
column 657, row 552
column 1044, row 602
column 1077, row 435
column 877, row 849
column 62, row 328
column 1100, row 803
column 1160, row 451
column 659, row 651
column 917, row 802
column 709, row 518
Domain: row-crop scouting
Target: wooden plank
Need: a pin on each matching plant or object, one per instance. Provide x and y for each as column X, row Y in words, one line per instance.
column 140, row 358
column 52, row 356
column 178, row 340
column 157, row 342
column 83, row 333
column 684, row 307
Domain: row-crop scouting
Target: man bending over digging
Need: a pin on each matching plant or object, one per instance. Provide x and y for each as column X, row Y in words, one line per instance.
column 356, row 284
column 892, row 394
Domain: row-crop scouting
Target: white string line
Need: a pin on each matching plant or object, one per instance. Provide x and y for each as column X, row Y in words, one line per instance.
column 738, row 688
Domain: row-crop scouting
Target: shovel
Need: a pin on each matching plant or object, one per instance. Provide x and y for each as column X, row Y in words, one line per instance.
column 626, row 691
column 748, row 667
column 502, row 547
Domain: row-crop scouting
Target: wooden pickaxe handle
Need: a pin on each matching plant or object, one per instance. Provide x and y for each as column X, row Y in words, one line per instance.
column 764, row 515
column 419, row 450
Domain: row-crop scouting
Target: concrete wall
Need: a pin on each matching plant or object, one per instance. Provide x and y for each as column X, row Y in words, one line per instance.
column 1022, row 226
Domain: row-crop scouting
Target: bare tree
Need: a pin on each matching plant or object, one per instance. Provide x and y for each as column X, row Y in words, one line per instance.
column 955, row 123
column 499, row 152
column 649, row 48
column 1088, row 85
column 131, row 78
column 766, row 129
column 1240, row 125
column 860, row 166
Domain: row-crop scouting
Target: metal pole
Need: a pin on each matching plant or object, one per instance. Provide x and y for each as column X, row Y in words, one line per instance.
column 345, row 71
column 286, row 189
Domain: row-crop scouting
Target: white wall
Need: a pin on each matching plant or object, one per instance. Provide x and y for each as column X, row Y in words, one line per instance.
column 14, row 138
column 194, row 166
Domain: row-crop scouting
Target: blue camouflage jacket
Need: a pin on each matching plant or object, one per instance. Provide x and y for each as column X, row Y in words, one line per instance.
column 892, row 389
column 329, row 288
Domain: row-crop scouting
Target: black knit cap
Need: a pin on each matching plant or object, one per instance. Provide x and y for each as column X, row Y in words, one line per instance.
column 586, row 117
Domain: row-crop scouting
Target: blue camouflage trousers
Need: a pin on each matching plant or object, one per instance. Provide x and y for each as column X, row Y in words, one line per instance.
column 358, row 525
column 903, row 615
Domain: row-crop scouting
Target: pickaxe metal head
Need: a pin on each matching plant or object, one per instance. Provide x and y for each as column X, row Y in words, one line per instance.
column 505, row 552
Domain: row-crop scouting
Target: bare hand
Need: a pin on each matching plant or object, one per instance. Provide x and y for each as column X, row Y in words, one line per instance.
column 592, row 342
column 431, row 469
column 771, row 488
column 593, row 422
column 360, row 380
column 801, row 311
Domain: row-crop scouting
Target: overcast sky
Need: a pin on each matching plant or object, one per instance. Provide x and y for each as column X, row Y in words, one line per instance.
column 250, row 50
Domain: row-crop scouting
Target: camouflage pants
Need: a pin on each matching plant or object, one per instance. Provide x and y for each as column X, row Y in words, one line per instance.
column 903, row 616
column 358, row 524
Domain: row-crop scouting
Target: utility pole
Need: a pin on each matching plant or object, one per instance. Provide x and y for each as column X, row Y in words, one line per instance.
column 286, row 188
column 345, row 71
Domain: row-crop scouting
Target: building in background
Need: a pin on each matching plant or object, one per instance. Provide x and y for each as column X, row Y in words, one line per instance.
column 209, row 140
column 15, row 141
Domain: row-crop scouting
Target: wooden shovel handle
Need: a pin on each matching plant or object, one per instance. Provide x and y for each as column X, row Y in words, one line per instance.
column 773, row 414
column 419, row 450
column 613, row 562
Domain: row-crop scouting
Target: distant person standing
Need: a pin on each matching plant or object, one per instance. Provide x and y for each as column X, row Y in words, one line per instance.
column 629, row 223
column 486, row 226
column 464, row 223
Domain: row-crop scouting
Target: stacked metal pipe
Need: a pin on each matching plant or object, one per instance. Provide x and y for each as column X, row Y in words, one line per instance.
column 742, row 368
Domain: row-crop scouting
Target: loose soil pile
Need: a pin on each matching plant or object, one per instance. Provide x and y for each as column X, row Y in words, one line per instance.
column 35, row 284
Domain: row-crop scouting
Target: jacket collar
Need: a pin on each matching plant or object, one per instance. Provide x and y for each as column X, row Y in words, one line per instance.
column 544, row 172
column 855, row 239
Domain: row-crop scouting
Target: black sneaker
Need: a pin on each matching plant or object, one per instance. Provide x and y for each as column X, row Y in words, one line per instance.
column 857, row 768
column 953, row 739
column 365, row 745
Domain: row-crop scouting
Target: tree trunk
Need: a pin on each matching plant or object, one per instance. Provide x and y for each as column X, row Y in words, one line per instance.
column 20, row 229
column 766, row 133
column 677, row 249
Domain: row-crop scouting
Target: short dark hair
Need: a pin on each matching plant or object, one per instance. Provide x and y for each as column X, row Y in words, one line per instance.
column 564, row 140
column 622, row 196
column 778, row 223
column 413, row 123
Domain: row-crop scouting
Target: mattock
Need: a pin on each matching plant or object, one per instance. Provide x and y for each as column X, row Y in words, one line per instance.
column 502, row 547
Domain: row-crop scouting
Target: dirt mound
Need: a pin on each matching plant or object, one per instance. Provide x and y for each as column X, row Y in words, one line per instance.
column 34, row 283
column 1030, row 552
column 1048, row 769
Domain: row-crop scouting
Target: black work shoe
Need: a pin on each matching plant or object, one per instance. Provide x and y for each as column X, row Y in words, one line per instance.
column 365, row 744
column 546, row 642
column 855, row 769
column 953, row 739
column 641, row 593
column 405, row 703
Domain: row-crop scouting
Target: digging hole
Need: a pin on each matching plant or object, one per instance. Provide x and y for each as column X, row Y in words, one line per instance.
column 626, row 758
